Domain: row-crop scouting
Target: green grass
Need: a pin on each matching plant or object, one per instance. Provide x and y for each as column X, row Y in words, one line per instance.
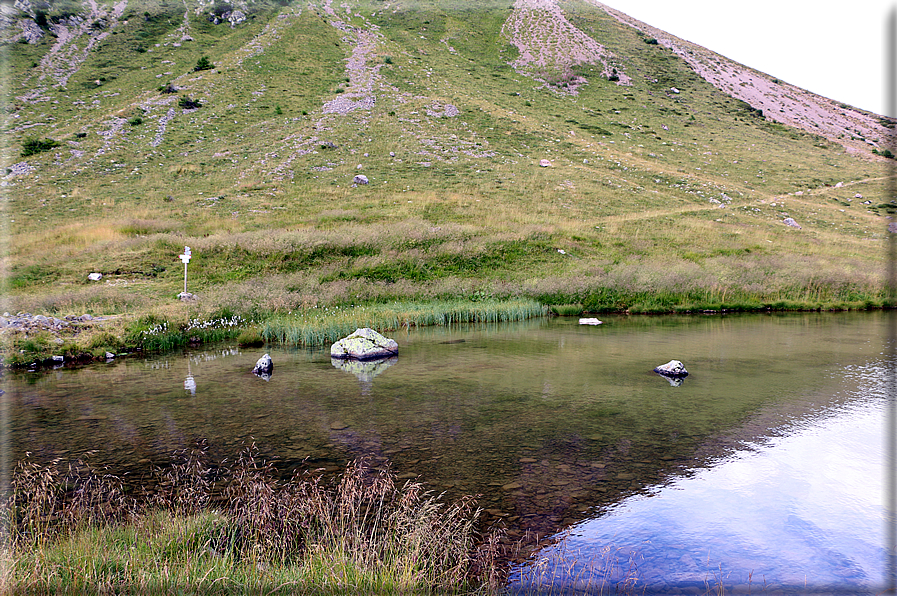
column 654, row 202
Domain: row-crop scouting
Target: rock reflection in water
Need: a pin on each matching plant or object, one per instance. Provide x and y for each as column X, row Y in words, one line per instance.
column 673, row 381
column 365, row 370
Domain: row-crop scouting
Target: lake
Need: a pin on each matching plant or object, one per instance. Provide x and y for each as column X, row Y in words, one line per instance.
column 763, row 469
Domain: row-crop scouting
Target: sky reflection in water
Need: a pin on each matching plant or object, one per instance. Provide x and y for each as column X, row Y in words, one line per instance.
column 801, row 511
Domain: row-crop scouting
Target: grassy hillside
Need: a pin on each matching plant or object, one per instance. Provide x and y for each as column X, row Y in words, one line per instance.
column 663, row 193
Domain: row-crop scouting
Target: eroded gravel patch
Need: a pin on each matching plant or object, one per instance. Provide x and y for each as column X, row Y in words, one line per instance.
column 549, row 44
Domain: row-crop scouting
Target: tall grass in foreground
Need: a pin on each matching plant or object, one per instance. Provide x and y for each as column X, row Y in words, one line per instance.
column 236, row 529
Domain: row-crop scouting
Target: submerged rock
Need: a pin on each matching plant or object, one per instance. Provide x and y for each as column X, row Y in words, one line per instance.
column 673, row 368
column 364, row 344
column 264, row 367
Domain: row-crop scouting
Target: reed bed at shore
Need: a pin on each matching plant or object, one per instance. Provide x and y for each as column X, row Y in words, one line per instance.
column 315, row 327
column 238, row 529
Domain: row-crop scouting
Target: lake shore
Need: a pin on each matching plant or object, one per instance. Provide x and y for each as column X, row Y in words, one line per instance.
column 44, row 340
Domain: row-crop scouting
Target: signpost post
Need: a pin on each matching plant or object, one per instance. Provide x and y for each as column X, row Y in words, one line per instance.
column 185, row 258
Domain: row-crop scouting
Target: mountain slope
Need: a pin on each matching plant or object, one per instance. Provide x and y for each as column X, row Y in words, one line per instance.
column 779, row 101
column 664, row 190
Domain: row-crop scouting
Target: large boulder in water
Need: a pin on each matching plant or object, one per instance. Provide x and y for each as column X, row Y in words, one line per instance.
column 364, row 344
column 673, row 368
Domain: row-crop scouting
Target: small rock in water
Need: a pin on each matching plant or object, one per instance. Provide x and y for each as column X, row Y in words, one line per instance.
column 264, row 367
column 673, row 368
column 589, row 321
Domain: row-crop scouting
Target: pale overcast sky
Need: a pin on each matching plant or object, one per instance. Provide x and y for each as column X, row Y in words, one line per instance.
column 835, row 49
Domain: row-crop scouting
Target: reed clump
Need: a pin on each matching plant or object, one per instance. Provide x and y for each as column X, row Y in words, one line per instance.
column 320, row 326
column 236, row 528
column 566, row 310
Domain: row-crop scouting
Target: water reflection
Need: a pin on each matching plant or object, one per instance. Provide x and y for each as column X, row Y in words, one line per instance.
column 794, row 512
column 364, row 370
column 673, row 381
column 551, row 423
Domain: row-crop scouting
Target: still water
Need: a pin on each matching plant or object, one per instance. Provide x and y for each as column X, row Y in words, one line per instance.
column 763, row 469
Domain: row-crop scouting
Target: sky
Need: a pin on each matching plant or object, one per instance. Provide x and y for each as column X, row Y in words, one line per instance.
column 833, row 49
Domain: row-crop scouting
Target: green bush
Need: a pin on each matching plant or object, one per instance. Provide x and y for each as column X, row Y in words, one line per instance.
column 567, row 310
column 187, row 103
column 250, row 338
column 34, row 145
column 135, row 121
column 203, row 64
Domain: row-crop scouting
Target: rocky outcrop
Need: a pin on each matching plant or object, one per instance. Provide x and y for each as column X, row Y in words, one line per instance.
column 673, row 368
column 364, row 344
column 27, row 322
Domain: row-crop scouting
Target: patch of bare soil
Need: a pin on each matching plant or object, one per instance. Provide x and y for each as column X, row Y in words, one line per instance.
column 550, row 45
column 857, row 130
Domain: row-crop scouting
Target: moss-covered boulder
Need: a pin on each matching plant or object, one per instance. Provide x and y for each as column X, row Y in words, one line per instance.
column 364, row 344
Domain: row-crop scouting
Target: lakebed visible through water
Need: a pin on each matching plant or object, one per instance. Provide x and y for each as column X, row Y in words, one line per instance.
column 763, row 467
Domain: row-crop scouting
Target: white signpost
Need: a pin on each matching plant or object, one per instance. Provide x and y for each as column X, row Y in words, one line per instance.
column 185, row 258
